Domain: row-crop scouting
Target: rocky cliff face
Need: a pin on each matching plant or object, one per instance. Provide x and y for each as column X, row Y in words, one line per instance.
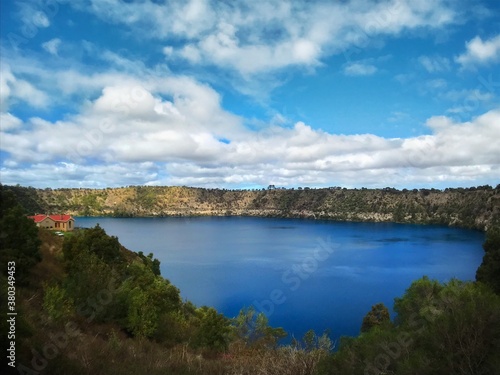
column 471, row 208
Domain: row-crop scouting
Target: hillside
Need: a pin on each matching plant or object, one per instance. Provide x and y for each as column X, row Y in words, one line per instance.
column 471, row 208
column 73, row 320
column 86, row 305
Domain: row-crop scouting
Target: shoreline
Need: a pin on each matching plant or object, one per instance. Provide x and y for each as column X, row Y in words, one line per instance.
column 310, row 217
column 471, row 208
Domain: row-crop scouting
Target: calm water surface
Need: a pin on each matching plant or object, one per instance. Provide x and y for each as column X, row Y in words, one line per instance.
column 320, row 274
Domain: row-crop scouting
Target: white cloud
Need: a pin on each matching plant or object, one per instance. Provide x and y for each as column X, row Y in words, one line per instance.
column 6, row 79
column 9, row 121
column 435, row 64
column 168, row 51
column 327, row 28
column 359, row 69
column 132, row 126
column 52, row 46
column 40, row 19
column 191, row 53
column 64, row 174
column 471, row 97
column 33, row 17
column 259, row 37
column 15, row 89
column 480, row 52
column 132, row 122
column 29, row 93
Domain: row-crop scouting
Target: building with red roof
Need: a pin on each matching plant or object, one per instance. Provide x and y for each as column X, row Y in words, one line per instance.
column 63, row 223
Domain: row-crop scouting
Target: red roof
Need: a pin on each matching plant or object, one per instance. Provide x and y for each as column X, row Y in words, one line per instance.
column 59, row 218
column 38, row 218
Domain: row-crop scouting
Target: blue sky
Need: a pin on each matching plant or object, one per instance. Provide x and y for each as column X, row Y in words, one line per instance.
column 240, row 94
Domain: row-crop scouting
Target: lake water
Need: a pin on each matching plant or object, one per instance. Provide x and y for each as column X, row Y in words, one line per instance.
column 302, row 273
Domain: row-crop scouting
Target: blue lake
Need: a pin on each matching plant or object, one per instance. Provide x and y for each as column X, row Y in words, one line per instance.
column 302, row 273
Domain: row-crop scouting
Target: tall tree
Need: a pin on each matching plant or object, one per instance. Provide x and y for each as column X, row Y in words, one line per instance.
column 95, row 241
column 489, row 271
column 214, row 330
column 19, row 240
column 254, row 329
column 376, row 317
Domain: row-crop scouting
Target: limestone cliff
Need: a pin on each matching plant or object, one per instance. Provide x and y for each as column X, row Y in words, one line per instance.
column 471, row 208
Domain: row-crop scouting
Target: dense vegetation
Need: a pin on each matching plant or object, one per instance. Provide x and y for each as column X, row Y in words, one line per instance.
column 90, row 306
column 87, row 305
column 489, row 270
column 440, row 329
column 477, row 207
column 18, row 236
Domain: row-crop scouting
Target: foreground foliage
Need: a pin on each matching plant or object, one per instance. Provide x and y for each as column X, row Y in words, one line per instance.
column 451, row 328
column 91, row 306
column 489, row 270
column 19, row 241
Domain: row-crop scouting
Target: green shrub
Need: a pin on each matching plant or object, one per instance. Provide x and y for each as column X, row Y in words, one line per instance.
column 56, row 302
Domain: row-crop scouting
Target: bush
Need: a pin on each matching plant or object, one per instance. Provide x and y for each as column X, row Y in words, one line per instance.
column 19, row 240
column 213, row 332
column 254, row 329
column 489, row 270
column 145, row 297
column 95, row 241
column 451, row 328
column 56, row 302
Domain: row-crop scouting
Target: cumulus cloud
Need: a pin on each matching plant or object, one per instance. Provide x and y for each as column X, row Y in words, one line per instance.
column 138, row 124
column 480, row 52
column 258, row 37
column 16, row 89
column 133, row 123
column 6, row 79
column 176, row 132
column 9, row 121
column 65, row 174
